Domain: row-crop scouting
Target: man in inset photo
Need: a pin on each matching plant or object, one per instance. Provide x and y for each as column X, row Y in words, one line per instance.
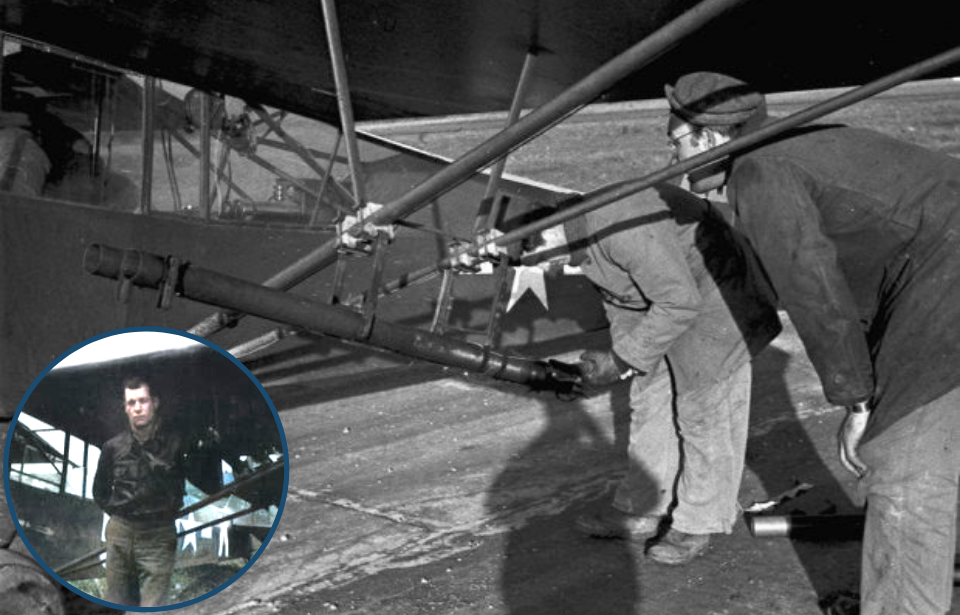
column 146, row 469
column 140, row 484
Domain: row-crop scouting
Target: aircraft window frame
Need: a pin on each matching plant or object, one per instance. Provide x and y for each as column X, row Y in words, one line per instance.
column 65, row 446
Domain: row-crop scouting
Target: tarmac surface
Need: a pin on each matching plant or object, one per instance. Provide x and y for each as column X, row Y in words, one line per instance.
column 414, row 489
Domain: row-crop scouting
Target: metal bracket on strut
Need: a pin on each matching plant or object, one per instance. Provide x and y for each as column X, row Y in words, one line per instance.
column 369, row 308
column 469, row 258
column 129, row 270
column 170, row 283
column 137, row 268
column 357, row 236
column 123, row 288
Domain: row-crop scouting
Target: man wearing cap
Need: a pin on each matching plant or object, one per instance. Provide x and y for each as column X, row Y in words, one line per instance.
column 687, row 310
column 859, row 235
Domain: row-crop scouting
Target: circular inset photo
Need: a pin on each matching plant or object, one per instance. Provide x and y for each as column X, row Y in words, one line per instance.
column 146, row 469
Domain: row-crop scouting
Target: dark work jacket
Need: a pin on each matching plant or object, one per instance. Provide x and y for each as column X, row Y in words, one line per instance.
column 676, row 283
column 859, row 234
column 142, row 483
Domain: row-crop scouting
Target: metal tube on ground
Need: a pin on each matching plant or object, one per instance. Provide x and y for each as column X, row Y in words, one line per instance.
column 810, row 527
column 813, row 527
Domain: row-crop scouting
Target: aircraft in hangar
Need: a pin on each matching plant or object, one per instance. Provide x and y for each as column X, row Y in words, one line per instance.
column 207, row 161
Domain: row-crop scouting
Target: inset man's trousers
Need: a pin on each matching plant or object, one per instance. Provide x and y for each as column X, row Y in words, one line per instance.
column 139, row 563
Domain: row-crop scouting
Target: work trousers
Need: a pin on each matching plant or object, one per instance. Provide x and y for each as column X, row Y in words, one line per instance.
column 909, row 540
column 689, row 448
column 139, row 563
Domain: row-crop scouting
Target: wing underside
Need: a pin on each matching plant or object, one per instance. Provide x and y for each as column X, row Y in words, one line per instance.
column 439, row 57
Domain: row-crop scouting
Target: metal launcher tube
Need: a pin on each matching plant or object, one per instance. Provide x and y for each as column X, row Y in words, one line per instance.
column 809, row 527
column 147, row 270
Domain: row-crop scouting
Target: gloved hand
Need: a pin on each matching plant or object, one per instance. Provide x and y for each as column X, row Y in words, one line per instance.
column 561, row 378
column 600, row 368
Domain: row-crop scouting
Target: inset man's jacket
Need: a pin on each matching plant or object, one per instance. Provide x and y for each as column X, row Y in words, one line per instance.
column 676, row 283
column 142, row 483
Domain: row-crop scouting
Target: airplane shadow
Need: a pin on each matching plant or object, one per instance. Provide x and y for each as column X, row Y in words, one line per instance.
column 317, row 369
column 320, row 390
column 548, row 567
column 313, row 369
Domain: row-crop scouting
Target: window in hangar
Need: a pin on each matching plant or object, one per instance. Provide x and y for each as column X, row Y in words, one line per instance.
column 48, row 458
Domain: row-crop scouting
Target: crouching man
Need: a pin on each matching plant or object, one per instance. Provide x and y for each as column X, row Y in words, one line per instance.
column 687, row 311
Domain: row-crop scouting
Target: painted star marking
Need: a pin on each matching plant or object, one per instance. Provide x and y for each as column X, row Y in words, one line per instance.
column 528, row 279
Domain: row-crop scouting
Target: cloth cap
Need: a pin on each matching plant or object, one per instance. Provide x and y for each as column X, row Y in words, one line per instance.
column 714, row 99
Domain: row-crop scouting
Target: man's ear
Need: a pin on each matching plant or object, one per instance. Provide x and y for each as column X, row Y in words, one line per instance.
column 715, row 138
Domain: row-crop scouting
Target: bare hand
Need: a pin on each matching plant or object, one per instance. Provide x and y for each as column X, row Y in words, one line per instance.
column 849, row 439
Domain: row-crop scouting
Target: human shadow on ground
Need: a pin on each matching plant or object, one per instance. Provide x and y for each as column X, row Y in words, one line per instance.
column 781, row 453
column 548, row 567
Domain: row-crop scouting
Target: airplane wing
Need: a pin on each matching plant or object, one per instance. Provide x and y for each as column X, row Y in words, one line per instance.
column 439, row 57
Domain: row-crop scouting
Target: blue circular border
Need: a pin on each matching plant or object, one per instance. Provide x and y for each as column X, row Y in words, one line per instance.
column 243, row 368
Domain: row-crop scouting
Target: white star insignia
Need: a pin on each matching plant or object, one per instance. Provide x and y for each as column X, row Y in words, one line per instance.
column 524, row 279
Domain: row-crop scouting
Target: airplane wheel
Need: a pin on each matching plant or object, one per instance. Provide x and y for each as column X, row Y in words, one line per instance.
column 26, row 588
